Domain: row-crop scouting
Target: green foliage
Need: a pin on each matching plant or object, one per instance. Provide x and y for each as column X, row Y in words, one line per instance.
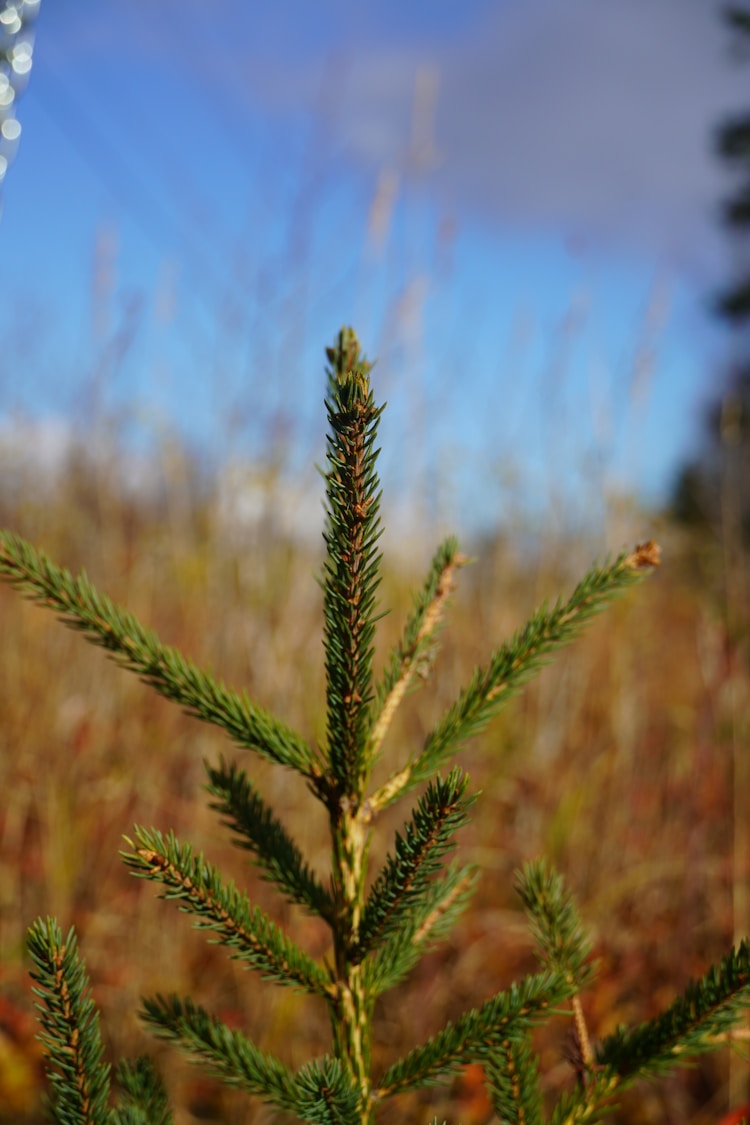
column 554, row 922
column 407, row 874
column 245, row 929
column 143, row 1099
column 377, row 935
column 479, row 1034
column 79, row 1077
column 513, row 1082
column 429, row 919
column 260, row 832
column 412, row 658
column 81, row 607
column 351, row 571
column 511, row 666
column 226, row 1053
column 707, row 1009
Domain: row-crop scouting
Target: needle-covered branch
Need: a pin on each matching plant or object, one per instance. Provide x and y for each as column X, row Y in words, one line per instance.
column 588, row 1102
column 228, row 1054
column 246, row 930
column 514, row 663
column 478, row 1034
column 259, row 831
column 693, row 1025
column 143, row 1099
column 429, row 920
column 350, row 573
column 326, row 1095
column 554, row 921
column 138, row 649
column 405, row 877
column 321, row 1093
column 78, row 1075
column 410, row 662
column 513, row 1083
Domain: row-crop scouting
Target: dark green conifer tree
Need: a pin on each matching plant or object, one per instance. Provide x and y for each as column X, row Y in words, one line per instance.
column 722, row 466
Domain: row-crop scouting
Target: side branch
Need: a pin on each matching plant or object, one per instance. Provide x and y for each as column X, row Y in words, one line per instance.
column 253, row 937
column 228, row 1054
column 428, row 921
column 105, row 624
column 694, row 1024
column 513, row 665
column 78, row 1075
column 403, row 881
column 412, row 658
column 259, row 831
column 480, row 1033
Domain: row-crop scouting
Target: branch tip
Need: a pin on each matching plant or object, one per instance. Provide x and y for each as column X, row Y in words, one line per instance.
column 645, row 556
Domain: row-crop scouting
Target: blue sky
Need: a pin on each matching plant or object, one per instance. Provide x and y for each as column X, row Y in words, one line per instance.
column 513, row 202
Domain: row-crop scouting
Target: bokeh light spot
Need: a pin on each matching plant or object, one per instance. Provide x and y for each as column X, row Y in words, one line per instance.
column 21, row 58
column 11, row 20
column 10, row 130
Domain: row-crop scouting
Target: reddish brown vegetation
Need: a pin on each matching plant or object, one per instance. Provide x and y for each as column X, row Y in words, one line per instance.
column 617, row 763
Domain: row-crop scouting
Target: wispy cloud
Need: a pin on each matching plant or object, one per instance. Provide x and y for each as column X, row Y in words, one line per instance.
column 591, row 119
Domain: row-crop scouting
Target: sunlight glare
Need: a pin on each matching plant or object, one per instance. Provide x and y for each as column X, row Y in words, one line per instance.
column 10, row 130
column 11, row 20
column 21, row 57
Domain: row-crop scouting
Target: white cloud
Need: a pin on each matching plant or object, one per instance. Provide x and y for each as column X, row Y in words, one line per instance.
column 593, row 119
column 590, row 118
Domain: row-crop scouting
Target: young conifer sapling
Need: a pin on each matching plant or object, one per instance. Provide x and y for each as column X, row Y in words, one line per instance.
column 378, row 934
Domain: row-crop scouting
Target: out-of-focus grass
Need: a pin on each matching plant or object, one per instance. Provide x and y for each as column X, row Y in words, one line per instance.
column 615, row 762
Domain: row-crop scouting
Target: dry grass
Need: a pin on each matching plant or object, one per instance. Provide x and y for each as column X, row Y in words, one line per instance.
column 616, row 763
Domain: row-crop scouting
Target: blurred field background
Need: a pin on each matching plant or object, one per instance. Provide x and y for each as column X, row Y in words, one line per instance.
column 625, row 761
column 618, row 763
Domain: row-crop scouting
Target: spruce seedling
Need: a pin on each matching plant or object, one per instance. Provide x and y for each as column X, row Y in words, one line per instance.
column 377, row 935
